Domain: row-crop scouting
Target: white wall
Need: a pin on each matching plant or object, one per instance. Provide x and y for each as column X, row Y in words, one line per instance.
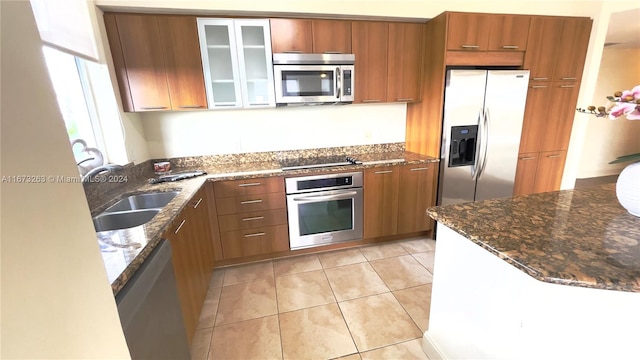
column 171, row 134
column 56, row 299
column 607, row 139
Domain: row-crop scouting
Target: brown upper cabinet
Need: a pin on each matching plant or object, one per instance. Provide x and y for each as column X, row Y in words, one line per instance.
column 487, row 32
column 370, row 45
column 157, row 61
column 558, row 47
column 310, row 36
column 404, row 62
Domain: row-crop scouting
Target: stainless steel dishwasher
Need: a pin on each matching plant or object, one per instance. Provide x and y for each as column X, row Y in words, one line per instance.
column 150, row 311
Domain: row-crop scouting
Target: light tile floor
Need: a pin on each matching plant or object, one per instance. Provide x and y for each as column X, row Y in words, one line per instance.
column 370, row 302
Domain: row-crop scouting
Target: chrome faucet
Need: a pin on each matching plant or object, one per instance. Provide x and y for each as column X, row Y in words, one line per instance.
column 101, row 169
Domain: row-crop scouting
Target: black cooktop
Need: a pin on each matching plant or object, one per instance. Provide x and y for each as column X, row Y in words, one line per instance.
column 316, row 162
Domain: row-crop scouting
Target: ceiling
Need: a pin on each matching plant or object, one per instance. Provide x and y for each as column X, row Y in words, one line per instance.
column 624, row 30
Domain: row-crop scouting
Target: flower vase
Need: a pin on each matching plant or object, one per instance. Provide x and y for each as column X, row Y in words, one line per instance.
column 628, row 188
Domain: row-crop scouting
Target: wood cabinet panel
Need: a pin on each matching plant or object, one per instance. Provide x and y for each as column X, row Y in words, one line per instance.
column 185, row 77
column 213, row 221
column 508, row 32
column 250, row 203
column 331, row 36
column 536, row 114
column 416, row 194
column 525, row 173
column 248, row 187
column 549, row 171
column 139, row 39
column 468, row 32
column 255, row 241
column 574, row 40
column 252, row 220
column 370, row 46
column 291, row 35
column 404, row 62
column 560, row 112
column 381, row 201
column 542, row 47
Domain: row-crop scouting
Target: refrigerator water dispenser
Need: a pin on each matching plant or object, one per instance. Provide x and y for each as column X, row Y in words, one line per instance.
column 462, row 151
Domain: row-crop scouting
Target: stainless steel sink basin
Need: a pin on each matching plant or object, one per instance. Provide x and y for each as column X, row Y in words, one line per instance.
column 123, row 220
column 143, row 201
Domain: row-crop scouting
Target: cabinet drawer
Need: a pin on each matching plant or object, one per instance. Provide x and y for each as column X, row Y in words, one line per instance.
column 231, row 188
column 252, row 220
column 263, row 240
column 248, row 203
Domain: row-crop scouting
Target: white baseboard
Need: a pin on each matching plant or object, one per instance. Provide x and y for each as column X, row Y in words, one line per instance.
column 430, row 348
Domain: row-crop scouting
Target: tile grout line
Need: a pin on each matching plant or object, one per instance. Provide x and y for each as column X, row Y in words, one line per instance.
column 275, row 288
column 342, row 314
column 216, row 316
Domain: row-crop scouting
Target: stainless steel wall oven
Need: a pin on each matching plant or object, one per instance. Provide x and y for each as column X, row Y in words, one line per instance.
column 324, row 209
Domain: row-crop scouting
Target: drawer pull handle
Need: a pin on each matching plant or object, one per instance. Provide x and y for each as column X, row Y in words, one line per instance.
column 470, row 46
column 253, row 218
column 383, row 172
column 527, row 158
column 333, row 52
column 190, row 106
column 567, row 86
column 568, row 78
column 153, row 107
column 251, row 202
column 405, row 99
column 197, row 204
column 419, row 169
column 255, row 234
column 539, row 79
column 293, row 51
column 510, row 46
column 249, row 184
column 539, row 86
column 180, row 226
column 370, row 100
column 553, row 156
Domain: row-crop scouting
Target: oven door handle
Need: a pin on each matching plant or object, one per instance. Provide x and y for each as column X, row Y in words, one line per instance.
column 327, row 197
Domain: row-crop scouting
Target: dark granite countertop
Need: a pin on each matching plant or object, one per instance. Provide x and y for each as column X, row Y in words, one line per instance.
column 577, row 237
column 123, row 251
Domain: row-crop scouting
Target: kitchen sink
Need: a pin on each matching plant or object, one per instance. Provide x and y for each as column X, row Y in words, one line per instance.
column 143, row 201
column 123, row 220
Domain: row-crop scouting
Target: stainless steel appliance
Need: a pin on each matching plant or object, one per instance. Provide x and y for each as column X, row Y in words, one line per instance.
column 324, row 209
column 306, row 79
column 150, row 311
column 483, row 113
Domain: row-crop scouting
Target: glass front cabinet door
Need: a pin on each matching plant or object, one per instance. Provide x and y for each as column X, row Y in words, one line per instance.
column 237, row 62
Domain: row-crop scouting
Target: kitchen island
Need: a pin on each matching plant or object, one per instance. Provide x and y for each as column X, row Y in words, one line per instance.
column 552, row 275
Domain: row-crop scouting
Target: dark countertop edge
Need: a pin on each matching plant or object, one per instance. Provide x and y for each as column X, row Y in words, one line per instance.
column 189, row 187
column 432, row 212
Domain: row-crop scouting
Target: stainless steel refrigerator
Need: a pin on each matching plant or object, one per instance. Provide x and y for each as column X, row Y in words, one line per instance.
column 483, row 112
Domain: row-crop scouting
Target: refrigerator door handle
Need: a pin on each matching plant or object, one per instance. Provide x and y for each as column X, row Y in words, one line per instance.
column 485, row 128
column 475, row 168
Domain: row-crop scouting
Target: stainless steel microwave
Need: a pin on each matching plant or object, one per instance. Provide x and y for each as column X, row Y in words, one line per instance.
column 313, row 78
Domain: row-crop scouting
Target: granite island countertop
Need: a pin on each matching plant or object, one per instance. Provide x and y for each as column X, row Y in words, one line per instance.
column 577, row 237
column 124, row 251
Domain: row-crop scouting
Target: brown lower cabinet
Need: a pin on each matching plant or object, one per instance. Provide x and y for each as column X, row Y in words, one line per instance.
column 192, row 258
column 396, row 199
column 539, row 172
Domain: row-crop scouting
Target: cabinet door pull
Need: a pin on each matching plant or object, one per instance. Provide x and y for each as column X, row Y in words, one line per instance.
column 470, row 46
column 293, row 51
column 333, row 52
column 405, row 99
column 190, row 106
column 539, row 79
column 255, row 234
column 539, row 86
column 383, row 172
column 567, row 86
column 180, row 226
column 553, row 156
column 419, row 169
column 568, row 78
column 370, row 100
column 197, row 204
column 528, row 158
column 253, row 218
column 249, row 184
column 510, row 46
column 259, row 104
column 153, row 107
column 250, row 202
